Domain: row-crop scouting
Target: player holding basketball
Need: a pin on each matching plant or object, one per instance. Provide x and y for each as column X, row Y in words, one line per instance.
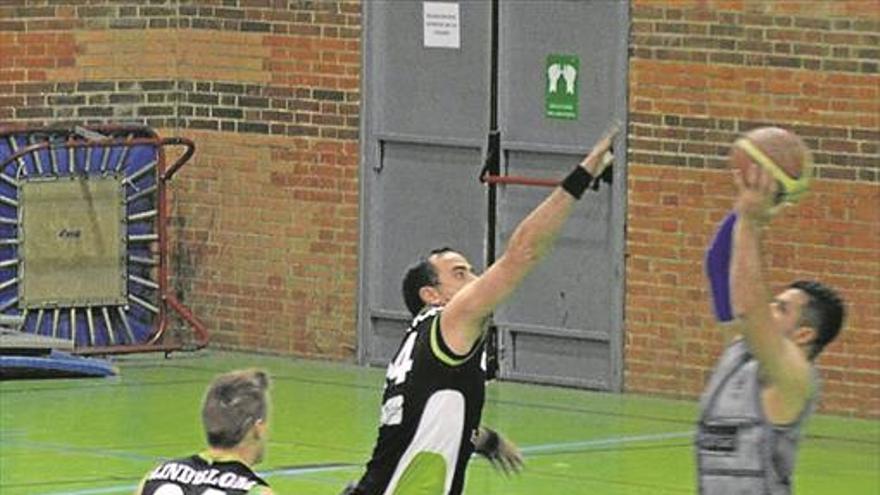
column 764, row 385
column 435, row 385
column 234, row 415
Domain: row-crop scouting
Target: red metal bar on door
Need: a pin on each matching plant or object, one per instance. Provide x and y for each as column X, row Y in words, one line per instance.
column 519, row 180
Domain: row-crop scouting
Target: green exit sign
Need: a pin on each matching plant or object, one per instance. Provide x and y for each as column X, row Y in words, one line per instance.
column 561, row 88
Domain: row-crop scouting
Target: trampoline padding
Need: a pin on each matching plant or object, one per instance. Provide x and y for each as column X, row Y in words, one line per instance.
column 54, row 365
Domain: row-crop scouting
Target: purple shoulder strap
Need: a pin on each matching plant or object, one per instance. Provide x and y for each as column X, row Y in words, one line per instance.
column 718, row 268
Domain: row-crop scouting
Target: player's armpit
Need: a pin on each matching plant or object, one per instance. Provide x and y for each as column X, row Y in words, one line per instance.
column 788, row 390
column 465, row 315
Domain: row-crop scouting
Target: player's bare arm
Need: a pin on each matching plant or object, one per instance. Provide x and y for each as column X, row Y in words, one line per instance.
column 464, row 316
column 782, row 362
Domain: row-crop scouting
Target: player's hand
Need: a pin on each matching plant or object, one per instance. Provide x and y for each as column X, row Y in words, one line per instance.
column 508, row 459
column 501, row 452
column 757, row 193
column 600, row 156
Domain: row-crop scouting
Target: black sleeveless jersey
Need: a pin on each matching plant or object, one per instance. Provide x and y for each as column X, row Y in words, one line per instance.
column 200, row 475
column 431, row 409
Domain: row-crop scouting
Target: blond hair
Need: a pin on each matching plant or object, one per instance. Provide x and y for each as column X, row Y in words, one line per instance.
column 234, row 402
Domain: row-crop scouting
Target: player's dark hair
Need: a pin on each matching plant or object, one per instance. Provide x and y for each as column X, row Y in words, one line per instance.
column 420, row 274
column 234, row 402
column 824, row 312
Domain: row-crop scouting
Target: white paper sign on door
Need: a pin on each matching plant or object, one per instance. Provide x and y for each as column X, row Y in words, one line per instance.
column 442, row 24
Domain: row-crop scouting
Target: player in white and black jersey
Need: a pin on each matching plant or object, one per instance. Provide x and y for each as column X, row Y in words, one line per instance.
column 430, row 415
column 435, row 385
column 234, row 415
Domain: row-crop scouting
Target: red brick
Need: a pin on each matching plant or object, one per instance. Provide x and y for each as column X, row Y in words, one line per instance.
column 294, row 215
column 833, row 235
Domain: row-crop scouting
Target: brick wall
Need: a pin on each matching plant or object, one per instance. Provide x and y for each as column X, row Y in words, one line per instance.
column 702, row 72
column 265, row 217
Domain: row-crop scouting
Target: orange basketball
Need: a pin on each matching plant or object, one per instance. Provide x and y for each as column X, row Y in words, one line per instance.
column 782, row 153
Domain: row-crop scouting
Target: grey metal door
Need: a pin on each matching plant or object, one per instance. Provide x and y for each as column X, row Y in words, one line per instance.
column 425, row 119
column 565, row 324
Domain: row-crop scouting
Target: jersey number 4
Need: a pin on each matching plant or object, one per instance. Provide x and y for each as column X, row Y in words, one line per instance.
column 398, row 369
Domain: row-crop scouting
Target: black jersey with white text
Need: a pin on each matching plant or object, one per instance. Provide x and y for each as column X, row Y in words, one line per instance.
column 200, row 475
column 431, row 408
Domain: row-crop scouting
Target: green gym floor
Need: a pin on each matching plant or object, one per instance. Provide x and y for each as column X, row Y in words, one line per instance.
column 99, row 436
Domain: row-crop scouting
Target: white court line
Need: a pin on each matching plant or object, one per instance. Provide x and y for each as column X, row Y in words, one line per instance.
column 531, row 449
column 555, row 447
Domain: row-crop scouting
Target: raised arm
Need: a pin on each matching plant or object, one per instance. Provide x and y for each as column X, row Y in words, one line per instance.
column 782, row 362
column 464, row 315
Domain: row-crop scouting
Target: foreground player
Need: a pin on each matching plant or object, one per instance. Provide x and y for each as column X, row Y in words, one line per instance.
column 435, row 385
column 764, row 386
column 234, row 416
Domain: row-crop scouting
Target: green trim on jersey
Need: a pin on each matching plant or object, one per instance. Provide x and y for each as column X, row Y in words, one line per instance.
column 440, row 354
column 425, row 475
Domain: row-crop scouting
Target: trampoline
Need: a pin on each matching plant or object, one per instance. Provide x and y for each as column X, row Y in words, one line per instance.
column 83, row 243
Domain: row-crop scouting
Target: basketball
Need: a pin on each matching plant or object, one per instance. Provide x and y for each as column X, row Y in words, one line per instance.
column 782, row 153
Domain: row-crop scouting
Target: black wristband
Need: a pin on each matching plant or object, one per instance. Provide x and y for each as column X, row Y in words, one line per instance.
column 489, row 448
column 577, row 182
